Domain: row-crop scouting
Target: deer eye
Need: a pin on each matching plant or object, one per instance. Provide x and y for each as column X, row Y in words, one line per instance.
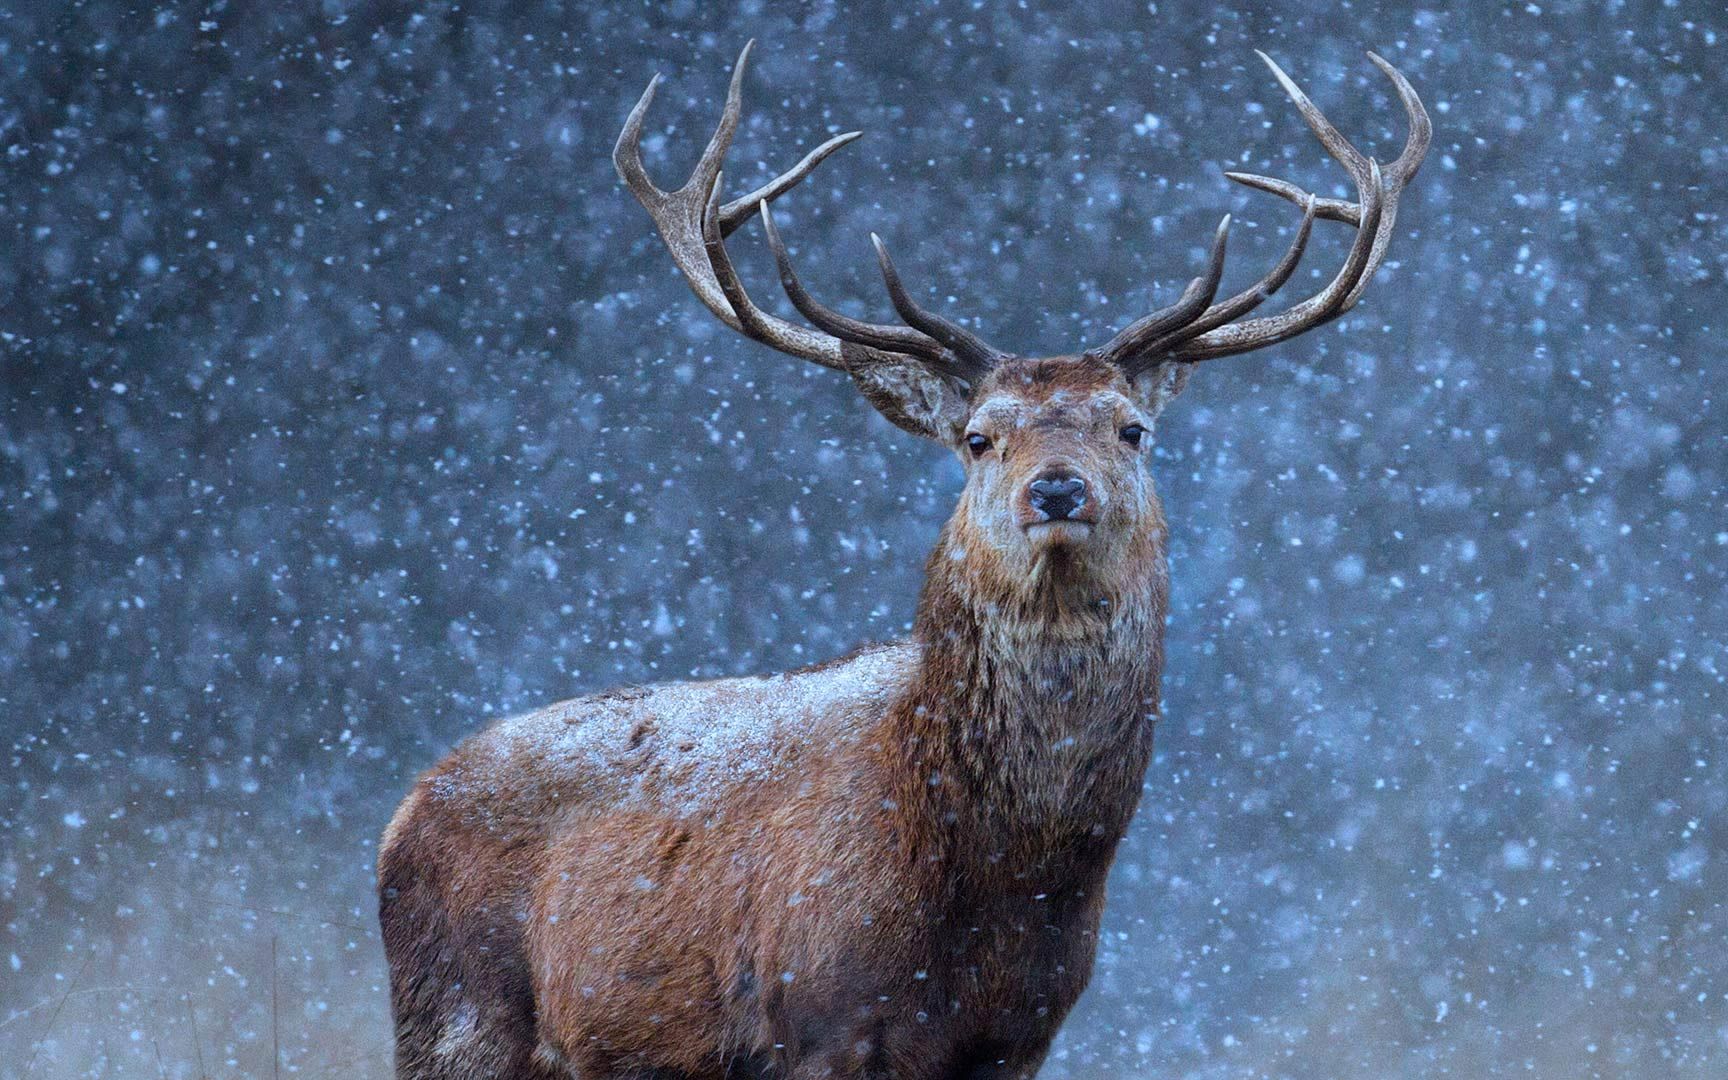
column 1132, row 434
column 977, row 444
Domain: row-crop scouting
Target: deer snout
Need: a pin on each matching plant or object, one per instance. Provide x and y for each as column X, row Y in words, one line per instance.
column 1058, row 495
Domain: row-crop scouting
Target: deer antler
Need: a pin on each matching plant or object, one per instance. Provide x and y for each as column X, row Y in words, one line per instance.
column 694, row 225
column 1189, row 330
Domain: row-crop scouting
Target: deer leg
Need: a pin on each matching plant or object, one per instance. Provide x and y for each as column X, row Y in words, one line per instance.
column 448, row 1027
column 459, row 989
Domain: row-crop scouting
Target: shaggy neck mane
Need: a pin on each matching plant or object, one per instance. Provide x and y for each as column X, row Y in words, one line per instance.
column 1025, row 734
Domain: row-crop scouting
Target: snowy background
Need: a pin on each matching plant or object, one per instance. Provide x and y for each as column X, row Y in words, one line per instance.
column 347, row 401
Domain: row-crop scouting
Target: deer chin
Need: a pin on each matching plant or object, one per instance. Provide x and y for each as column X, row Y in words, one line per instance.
column 1044, row 534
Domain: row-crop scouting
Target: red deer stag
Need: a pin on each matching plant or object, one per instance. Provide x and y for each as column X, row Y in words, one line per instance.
column 890, row 864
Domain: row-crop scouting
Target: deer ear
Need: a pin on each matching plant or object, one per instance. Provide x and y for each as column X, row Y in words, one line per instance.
column 1158, row 386
column 914, row 398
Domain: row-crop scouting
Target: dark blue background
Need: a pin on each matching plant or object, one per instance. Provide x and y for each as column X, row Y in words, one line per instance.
column 348, row 401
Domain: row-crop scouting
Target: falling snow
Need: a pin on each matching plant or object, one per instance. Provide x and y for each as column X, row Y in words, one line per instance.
column 348, row 405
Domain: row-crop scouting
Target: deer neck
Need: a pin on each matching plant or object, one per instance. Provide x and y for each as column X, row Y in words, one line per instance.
column 1027, row 731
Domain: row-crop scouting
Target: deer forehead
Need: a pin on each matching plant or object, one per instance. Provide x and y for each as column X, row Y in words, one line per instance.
column 1066, row 408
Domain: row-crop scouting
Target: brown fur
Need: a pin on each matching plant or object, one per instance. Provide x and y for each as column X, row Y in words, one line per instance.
column 890, row 865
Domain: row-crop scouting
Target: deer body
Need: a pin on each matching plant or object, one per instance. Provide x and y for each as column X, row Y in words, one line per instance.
column 889, row 865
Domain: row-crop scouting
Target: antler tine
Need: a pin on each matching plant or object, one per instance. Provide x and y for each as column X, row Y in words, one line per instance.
column 1399, row 172
column 974, row 354
column 1421, row 129
column 1128, row 348
column 1334, row 142
column 706, row 174
column 627, row 151
column 901, row 339
column 738, row 211
column 1331, row 209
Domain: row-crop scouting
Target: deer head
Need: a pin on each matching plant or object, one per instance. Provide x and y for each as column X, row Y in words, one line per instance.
column 1055, row 448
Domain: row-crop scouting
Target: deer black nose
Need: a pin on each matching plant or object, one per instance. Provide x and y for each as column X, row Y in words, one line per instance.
column 1057, row 495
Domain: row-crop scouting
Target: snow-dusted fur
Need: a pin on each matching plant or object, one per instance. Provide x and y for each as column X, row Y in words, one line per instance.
column 888, row 865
